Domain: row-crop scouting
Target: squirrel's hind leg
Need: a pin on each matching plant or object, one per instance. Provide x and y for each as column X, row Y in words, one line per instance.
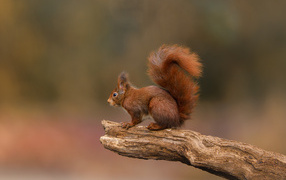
column 164, row 112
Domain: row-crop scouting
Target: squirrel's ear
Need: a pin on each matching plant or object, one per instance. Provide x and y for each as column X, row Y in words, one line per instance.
column 123, row 81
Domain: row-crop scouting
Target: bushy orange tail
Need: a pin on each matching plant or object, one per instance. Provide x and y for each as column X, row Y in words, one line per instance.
column 175, row 68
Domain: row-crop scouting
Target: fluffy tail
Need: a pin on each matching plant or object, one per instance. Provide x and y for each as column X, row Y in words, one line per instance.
column 175, row 69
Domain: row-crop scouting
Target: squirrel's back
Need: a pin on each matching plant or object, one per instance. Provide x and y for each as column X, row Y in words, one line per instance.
column 175, row 69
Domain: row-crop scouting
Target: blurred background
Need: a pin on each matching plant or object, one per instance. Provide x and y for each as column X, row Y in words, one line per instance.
column 59, row 60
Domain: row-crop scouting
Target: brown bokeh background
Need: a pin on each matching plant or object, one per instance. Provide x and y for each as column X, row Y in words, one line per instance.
column 59, row 61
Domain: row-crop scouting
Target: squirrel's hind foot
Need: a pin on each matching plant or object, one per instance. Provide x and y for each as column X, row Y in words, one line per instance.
column 155, row 127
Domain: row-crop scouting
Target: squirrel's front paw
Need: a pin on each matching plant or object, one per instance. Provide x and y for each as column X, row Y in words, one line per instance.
column 126, row 125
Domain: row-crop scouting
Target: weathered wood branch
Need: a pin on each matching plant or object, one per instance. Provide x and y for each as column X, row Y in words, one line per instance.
column 226, row 158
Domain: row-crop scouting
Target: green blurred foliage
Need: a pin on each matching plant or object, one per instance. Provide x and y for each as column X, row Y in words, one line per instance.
column 70, row 52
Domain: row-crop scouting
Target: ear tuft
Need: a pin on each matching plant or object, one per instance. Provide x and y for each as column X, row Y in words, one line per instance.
column 123, row 77
column 123, row 81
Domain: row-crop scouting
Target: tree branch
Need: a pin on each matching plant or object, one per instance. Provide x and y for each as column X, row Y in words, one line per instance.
column 226, row 158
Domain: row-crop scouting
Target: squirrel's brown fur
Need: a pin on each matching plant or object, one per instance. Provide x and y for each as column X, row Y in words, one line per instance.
column 174, row 69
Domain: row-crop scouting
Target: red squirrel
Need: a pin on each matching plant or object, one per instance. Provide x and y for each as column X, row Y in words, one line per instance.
column 175, row 69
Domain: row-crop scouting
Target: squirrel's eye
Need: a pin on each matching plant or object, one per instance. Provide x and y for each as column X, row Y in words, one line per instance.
column 115, row 94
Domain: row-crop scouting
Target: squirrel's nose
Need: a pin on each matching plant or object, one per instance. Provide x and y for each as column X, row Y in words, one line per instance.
column 110, row 101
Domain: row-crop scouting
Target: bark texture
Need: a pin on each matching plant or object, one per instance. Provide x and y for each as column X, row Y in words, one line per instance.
column 226, row 158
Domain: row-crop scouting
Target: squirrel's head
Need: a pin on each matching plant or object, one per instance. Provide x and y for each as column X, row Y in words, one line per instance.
column 117, row 95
